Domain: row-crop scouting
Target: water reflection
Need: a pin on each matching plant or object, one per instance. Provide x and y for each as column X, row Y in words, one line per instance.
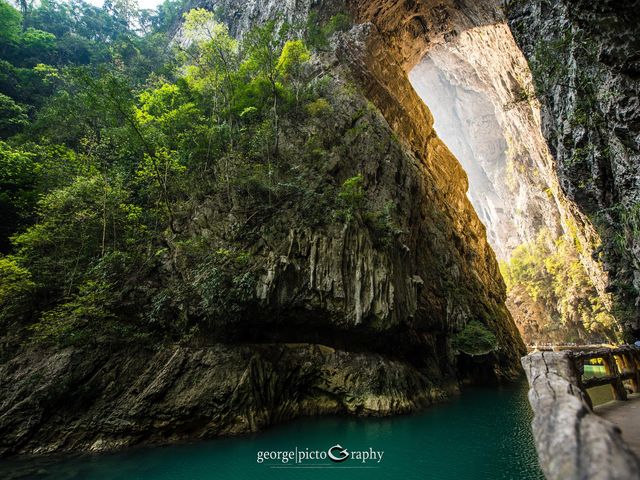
column 484, row 434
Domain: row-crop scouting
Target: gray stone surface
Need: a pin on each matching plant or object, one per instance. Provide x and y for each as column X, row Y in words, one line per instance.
column 586, row 55
column 625, row 414
column 82, row 400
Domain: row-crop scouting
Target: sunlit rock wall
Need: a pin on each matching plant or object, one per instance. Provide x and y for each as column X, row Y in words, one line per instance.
column 584, row 55
column 478, row 84
column 465, row 51
column 481, row 114
column 445, row 273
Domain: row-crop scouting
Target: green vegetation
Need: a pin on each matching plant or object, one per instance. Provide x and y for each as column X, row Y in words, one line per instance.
column 139, row 177
column 569, row 63
column 15, row 287
column 629, row 220
column 351, row 196
column 621, row 225
column 353, row 204
column 475, row 339
column 550, row 273
column 318, row 33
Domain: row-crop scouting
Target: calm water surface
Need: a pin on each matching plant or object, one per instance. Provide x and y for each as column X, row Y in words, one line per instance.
column 483, row 434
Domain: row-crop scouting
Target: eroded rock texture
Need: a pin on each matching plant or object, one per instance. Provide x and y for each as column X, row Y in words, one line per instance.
column 494, row 131
column 346, row 322
column 570, row 168
column 584, row 56
column 444, row 273
column 479, row 87
column 342, row 319
column 131, row 396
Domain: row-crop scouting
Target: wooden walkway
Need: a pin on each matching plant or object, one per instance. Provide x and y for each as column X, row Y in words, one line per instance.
column 621, row 367
column 622, row 374
column 574, row 440
column 626, row 415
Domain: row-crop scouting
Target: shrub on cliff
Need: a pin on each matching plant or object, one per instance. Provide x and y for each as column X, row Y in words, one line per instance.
column 475, row 339
column 555, row 280
column 16, row 285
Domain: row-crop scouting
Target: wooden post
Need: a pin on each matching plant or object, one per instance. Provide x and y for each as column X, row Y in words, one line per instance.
column 629, row 366
column 635, row 381
column 619, row 359
column 578, row 365
column 611, row 368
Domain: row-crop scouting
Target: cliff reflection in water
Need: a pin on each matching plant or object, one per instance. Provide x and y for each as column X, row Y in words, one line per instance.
column 483, row 434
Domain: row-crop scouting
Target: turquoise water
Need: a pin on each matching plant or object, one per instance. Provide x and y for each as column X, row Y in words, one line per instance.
column 483, row 434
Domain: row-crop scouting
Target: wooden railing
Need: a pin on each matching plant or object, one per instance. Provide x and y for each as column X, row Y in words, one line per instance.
column 620, row 364
column 559, row 347
column 573, row 442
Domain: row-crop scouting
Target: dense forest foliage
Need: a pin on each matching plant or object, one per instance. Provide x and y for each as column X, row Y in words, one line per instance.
column 113, row 130
column 546, row 277
column 121, row 129
column 48, row 57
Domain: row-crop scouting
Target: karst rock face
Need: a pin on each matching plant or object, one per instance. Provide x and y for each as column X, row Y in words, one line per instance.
column 539, row 167
column 344, row 325
column 555, row 136
column 445, row 273
column 585, row 56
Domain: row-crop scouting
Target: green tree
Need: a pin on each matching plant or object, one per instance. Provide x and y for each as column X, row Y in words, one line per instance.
column 26, row 174
column 10, row 26
column 291, row 63
column 13, row 117
column 551, row 273
column 78, row 225
column 214, row 59
column 318, row 32
column 15, row 287
column 264, row 47
column 351, row 197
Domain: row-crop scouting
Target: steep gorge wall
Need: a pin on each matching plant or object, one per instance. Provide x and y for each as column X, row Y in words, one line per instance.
column 495, row 128
column 344, row 323
column 480, row 89
column 584, row 56
column 472, row 46
column 447, row 274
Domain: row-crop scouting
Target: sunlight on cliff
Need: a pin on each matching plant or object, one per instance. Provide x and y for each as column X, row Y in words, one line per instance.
column 465, row 120
column 480, row 92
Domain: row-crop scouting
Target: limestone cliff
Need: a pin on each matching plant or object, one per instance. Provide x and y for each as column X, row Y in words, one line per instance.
column 584, row 59
column 346, row 315
column 140, row 395
column 481, row 91
column 365, row 314
column 463, row 54
column 443, row 273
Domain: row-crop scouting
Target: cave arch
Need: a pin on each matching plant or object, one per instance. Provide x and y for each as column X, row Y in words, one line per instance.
column 463, row 62
column 388, row 44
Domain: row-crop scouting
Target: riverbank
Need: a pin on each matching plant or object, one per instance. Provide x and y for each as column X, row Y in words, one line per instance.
column 75, row 400
column 483, row 434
